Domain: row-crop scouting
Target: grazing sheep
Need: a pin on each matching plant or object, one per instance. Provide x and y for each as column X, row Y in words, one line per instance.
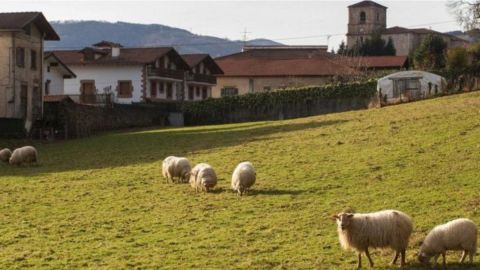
column 388, row 228
column 243, row 177
column 26, row 154
column 5, row 155
column 458, row 234
column 203, row 177
column 166, row 164
column 177, row 167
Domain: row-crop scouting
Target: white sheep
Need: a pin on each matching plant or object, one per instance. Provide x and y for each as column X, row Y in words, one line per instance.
column 166, row 164
column 243, row 177
column 458, row 234
column 5, row 155
column 388, row 228
column 177, row 167
column 26, row 154
column 203, row 177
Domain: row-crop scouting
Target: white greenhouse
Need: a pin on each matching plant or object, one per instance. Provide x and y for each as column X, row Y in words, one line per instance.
column 411, row 85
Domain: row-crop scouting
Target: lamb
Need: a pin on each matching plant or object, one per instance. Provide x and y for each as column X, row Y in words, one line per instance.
column 243, row 177
column 5, row 155
column 458, row 234
column 26, row 154
column 166, row 164
column 203, row 177
column 177, row 167
column 388, row 228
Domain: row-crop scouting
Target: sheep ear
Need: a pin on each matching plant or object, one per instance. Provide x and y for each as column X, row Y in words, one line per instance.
column 335, row 217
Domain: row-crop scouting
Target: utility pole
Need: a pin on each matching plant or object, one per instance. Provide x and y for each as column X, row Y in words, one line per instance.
column 244, row 37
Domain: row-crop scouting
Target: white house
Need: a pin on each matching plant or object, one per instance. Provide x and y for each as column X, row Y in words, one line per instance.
column 55, row 72
column 409, row 85
column 126, row 75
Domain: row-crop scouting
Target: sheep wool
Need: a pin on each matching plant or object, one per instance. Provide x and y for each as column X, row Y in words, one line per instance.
column 166, row 164
column 203, row 177
column 388, row 228
column 5, row 155
column 243, row 177
column 458, row 234
column 26, row 154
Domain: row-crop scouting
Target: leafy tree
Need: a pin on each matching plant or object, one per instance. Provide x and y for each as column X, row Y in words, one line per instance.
column 430, row 55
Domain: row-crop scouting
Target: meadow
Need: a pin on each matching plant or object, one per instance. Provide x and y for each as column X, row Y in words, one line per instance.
column 101, row 203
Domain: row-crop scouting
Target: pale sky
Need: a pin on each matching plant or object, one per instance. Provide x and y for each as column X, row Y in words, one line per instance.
column 288, row 22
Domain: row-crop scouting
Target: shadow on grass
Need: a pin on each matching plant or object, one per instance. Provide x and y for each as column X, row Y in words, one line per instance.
column 131, row 148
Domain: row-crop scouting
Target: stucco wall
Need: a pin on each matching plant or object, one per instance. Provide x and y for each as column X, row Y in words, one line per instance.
column 106, row 77
column 259, row 83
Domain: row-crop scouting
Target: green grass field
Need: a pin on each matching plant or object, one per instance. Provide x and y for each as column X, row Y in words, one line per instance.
column 101, row 203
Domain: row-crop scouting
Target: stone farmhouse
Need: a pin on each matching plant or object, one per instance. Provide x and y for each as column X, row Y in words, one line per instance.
column 367, row 18
column 21, row 66
column 108, row 72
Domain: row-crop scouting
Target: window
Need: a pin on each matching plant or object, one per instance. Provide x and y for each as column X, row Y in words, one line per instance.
column 153, row 88
column 169, row 90
column 125, row 89
column 190, row 92
column 33, row 59
column 20, row 57
column 204, row 92
column 229, row 91
column 363, row 17
column 47, row 87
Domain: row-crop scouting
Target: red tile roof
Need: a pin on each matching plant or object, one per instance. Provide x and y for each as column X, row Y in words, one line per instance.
column 17, row 21
column 267, row 67
column 128, row 56
column 367, row 3
column 194, row 59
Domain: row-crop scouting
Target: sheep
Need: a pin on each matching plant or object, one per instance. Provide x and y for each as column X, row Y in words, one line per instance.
column 458, row 234
column 26, row 154
column 5, row 155
column 166, row 164
column 178, row 167
column 203, row 177
column 388, row 228
column 243, row 177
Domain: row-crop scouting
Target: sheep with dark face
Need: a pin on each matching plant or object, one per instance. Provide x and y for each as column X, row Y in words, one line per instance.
column 26, row 154
column 458, row 234
column 5, row 155
column 243, row 177
column 388, row 228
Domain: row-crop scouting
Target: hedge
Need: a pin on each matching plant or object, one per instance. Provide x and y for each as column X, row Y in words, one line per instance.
column 266, row 100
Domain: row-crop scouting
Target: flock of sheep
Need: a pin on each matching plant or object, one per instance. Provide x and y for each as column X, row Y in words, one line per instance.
column 392, row 228
column 388, row 228
column 203, row 177
column 26, row 154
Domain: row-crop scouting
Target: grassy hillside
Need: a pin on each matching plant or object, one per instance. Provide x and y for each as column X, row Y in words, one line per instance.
column 101, row 203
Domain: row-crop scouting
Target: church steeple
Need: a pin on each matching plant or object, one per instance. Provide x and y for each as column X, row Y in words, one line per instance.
column 364, row 19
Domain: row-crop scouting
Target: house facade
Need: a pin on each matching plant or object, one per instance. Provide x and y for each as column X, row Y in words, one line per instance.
column 263, row 69
column 21, row 65
column 367, row 18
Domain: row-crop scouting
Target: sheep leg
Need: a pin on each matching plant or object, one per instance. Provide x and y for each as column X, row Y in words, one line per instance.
column 394, row 261
column 359, row 260
column 368, row 257
column 464, row 255
column 444, row 261
column 402, row 262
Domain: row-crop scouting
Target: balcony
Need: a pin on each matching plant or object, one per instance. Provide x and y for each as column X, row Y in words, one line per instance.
column 165, row 73
column 201, row 78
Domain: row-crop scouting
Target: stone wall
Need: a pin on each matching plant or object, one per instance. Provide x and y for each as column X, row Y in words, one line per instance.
column 71, row 120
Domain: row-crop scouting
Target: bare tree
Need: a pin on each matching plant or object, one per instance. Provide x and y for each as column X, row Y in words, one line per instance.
column 467, row 12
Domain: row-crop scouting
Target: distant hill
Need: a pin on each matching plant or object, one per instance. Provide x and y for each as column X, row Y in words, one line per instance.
column 78, row 34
